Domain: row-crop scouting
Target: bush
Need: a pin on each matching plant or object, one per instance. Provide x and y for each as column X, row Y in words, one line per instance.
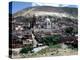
column 25, row 50
column 51, row 40
column 71, row 31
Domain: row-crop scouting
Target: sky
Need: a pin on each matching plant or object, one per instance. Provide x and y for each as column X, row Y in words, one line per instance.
column 17, row 6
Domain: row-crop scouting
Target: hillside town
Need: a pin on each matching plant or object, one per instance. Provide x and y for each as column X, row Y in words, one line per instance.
column 36, row 31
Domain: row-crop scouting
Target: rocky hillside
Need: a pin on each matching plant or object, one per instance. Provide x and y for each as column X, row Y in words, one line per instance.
column 61, row 10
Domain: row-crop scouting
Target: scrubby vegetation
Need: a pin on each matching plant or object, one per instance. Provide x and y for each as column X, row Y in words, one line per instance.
column 71, row 31
column 25, row 50
column 51, row 40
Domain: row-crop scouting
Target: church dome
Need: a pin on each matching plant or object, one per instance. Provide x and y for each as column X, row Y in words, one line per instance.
column 47, row 20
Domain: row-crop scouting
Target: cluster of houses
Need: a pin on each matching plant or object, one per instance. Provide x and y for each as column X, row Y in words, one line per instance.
column 24, row 31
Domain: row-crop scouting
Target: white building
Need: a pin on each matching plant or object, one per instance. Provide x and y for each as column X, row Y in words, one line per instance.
column 48, row 23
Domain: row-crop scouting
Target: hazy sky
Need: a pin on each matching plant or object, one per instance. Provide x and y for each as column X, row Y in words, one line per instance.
column 17, row 6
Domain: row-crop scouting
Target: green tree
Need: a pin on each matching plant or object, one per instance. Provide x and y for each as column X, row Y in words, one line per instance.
column 25, row 50
column 69, row 31
column 51, row 40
